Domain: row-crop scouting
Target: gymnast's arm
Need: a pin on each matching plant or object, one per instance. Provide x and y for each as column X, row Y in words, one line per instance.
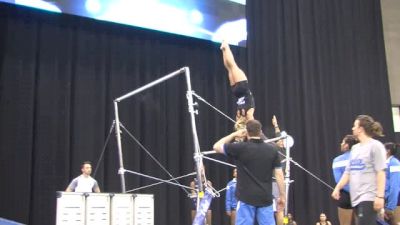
column 275, row 124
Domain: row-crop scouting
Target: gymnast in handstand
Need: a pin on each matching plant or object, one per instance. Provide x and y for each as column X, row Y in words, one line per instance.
column 239, row 84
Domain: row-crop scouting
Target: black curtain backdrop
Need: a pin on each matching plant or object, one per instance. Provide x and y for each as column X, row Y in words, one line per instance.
column 314, row 64
column 59, row 77
column 317, row 65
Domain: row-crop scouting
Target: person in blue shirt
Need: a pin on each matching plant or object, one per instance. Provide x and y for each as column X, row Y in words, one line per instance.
column 345, row 210
column 201, row 215
column 392, row 187
column 230, row 198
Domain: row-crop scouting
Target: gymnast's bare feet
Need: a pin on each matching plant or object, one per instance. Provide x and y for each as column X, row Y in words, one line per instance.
column 224, row 45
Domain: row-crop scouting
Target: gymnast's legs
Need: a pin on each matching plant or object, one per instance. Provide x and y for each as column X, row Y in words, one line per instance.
column 238, row 82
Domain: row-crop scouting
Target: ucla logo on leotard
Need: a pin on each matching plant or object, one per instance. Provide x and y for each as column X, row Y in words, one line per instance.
column 357, row 164
column 241, row 101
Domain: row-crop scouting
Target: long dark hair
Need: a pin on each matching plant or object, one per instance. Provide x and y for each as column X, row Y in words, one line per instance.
column 392, row 148
column 350, row 140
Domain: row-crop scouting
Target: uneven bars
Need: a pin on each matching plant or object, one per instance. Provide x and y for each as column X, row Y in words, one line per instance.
column 151, row 84
column 117, row 121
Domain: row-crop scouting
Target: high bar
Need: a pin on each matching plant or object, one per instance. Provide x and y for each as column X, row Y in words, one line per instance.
column 151, row 84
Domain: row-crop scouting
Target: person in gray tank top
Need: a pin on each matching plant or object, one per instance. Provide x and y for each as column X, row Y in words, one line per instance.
column 365, row 172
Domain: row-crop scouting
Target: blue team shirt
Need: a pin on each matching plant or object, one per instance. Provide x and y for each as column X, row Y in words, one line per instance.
column 339, row 165
column 392, row 186
column 230, row 198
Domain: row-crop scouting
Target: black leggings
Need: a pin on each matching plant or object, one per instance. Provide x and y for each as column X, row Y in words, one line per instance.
column 365, row 213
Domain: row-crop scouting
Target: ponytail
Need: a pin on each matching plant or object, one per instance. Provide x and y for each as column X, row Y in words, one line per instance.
column 372, row 128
